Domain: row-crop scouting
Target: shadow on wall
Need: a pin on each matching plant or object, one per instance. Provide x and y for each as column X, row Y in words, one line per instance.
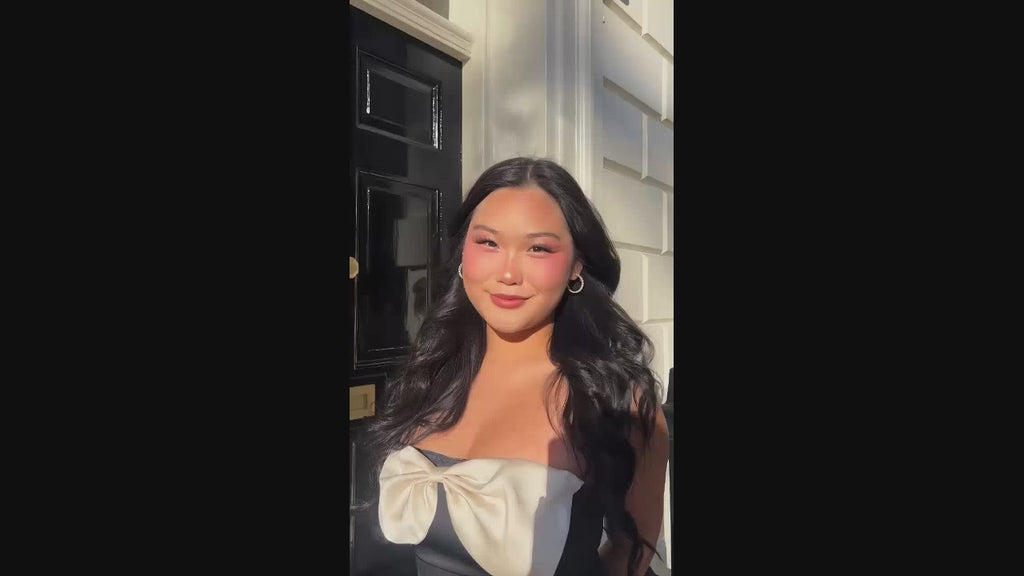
column 516, row 79
column 440, row 6
column 532, row 87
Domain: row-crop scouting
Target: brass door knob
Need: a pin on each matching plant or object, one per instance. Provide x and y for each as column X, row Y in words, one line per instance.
column 353, row 268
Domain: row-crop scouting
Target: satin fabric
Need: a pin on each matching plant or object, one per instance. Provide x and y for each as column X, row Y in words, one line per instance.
column 511, row 515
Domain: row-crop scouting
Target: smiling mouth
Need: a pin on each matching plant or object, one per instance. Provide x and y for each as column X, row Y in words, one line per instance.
column 505, row 301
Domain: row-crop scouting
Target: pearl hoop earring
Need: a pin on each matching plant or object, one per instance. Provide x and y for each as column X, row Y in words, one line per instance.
column 460, row 270
column 578, row 290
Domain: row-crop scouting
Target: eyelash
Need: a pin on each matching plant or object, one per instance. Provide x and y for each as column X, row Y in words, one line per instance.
column 537, row 246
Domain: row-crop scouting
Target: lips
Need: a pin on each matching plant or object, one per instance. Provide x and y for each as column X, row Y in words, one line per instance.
column 503, row 301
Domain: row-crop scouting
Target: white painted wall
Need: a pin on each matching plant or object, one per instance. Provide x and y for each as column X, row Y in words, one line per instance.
column 633, row 156
column 504, row 82
column 632, row 75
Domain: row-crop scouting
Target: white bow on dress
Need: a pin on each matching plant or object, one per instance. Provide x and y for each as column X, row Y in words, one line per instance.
column 511, row 515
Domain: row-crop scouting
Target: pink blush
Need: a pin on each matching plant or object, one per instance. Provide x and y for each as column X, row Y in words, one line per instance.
column 474, row 258
column 550, row 270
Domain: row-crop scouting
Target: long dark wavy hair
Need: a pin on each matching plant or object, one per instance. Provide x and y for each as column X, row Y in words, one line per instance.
column 601, row 354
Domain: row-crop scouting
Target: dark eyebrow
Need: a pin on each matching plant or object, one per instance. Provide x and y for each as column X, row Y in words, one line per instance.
column 533, row 235
column 552, row 234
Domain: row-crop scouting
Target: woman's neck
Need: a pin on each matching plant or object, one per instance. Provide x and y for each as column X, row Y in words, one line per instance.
column 527, row 346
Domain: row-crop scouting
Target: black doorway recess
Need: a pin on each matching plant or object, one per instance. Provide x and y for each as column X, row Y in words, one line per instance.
column 403, row 187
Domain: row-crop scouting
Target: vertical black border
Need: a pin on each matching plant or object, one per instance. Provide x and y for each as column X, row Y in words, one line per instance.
column 221, row 299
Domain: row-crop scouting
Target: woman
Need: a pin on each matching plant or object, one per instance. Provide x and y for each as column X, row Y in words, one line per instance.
column 526, row 417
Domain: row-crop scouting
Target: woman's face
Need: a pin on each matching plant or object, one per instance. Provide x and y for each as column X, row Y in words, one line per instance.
column 518, row 259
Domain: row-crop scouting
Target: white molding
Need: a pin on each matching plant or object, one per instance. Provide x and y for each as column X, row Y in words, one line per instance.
column 584, row 96
column 471, row 15
column 560, row 79
column 570, row 89
column 421, row 23
column 595, row 35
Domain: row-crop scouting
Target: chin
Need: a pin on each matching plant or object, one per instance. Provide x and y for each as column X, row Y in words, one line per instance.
column 507, row 325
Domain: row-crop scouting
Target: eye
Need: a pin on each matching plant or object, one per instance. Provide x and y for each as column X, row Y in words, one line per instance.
column 488, row 243
column 539, row 248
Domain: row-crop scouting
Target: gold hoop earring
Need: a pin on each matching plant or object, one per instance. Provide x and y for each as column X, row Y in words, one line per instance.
column 460, row 270
column 578, row 290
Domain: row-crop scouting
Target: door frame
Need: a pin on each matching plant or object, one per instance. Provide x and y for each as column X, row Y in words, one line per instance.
column 421, row 23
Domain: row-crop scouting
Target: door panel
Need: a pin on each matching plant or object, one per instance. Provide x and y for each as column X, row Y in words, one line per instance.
column 397, row 249
column 398, row 102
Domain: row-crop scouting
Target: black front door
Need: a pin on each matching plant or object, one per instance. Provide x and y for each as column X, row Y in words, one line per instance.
column 404, row 186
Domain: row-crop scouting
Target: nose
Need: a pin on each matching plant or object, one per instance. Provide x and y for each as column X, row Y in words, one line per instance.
column 511, row 275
